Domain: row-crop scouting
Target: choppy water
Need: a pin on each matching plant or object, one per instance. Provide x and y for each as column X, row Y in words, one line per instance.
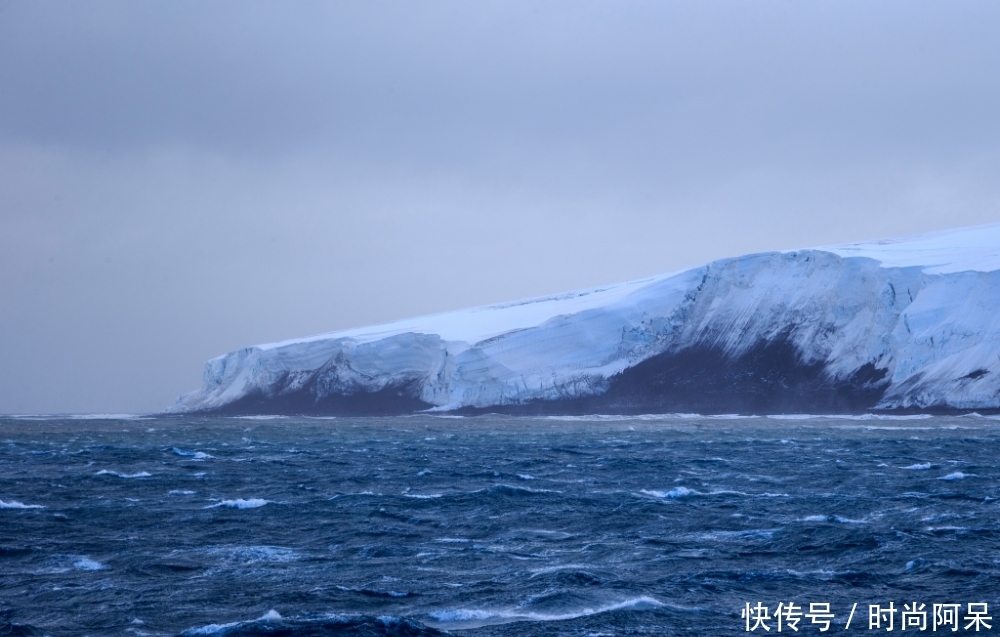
column 488, row 525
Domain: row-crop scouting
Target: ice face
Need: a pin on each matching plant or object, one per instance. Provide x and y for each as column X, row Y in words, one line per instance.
column 908, row 323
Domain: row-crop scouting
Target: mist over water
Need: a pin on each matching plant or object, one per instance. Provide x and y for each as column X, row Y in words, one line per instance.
column 486, row 526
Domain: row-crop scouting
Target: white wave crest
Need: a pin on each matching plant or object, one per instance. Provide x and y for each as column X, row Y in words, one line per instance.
column 213, row 629
column 240, row 503
column 138, row 474
column 14, row 504
column 673, row 494
column 850, row 416
column 259, row 417
column 470, row 617
column 195, row 455
column 919, row 467
column 957, row 475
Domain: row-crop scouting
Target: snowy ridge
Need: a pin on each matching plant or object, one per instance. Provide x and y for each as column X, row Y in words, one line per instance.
column 901, row 324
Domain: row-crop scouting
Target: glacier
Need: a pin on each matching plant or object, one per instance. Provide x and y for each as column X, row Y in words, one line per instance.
column 898, row 325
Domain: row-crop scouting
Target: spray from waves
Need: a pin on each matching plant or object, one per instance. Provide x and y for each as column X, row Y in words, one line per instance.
column 14, row 504
column 240, row 503
column 139, row 474
column 470, row 618
column 87, row 564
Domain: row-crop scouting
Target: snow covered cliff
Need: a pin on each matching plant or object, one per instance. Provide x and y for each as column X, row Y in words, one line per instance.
column 906, row 324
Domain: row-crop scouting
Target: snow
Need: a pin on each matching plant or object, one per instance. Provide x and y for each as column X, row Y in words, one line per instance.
column 479, row 323
column 975, row 248
column 926, row 309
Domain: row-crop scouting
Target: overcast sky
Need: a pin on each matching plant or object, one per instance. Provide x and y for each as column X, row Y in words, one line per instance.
column 181, row 179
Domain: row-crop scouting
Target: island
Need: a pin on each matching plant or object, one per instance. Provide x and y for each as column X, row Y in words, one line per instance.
column 899, row 325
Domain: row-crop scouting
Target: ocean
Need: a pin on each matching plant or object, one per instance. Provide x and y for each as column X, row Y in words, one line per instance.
column 489, row 525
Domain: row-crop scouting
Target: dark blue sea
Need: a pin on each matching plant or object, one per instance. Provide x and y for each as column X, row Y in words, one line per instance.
column 489, row 525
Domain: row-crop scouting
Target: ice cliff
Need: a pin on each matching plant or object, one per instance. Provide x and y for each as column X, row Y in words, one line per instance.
column 904, row 324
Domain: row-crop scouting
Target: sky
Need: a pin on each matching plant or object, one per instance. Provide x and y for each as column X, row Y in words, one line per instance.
column 182, row 179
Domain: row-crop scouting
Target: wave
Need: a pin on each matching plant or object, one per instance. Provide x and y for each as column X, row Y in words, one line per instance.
column 510, row 489
column 195, row 455
column 87, row 564
column 649, row 417
column 850, row 416
column 359, row 494
column 240, row 503
column 684, row 492
column 556, row 569
column 255, row 554
column 919, row 467
column 832, row 518
column 946, row 529
column 610, row 417
column 139, row 474
column 219, row 629
column 376, row 592
column 976, row 414
column 273, row 623
column 673, row 494
column 259, row 417
column 731, row 536
column 957, row 475
column 470, row 618
column 501, row 489
column 14, row 504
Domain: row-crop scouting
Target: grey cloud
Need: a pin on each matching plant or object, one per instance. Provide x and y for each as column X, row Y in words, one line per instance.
column 178, row 179
column 674, row 82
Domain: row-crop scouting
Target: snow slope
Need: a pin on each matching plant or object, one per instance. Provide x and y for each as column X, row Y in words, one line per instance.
column 908, row 323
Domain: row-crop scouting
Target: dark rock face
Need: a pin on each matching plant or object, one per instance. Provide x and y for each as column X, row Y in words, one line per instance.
column 770, row 378
column 393, row 400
